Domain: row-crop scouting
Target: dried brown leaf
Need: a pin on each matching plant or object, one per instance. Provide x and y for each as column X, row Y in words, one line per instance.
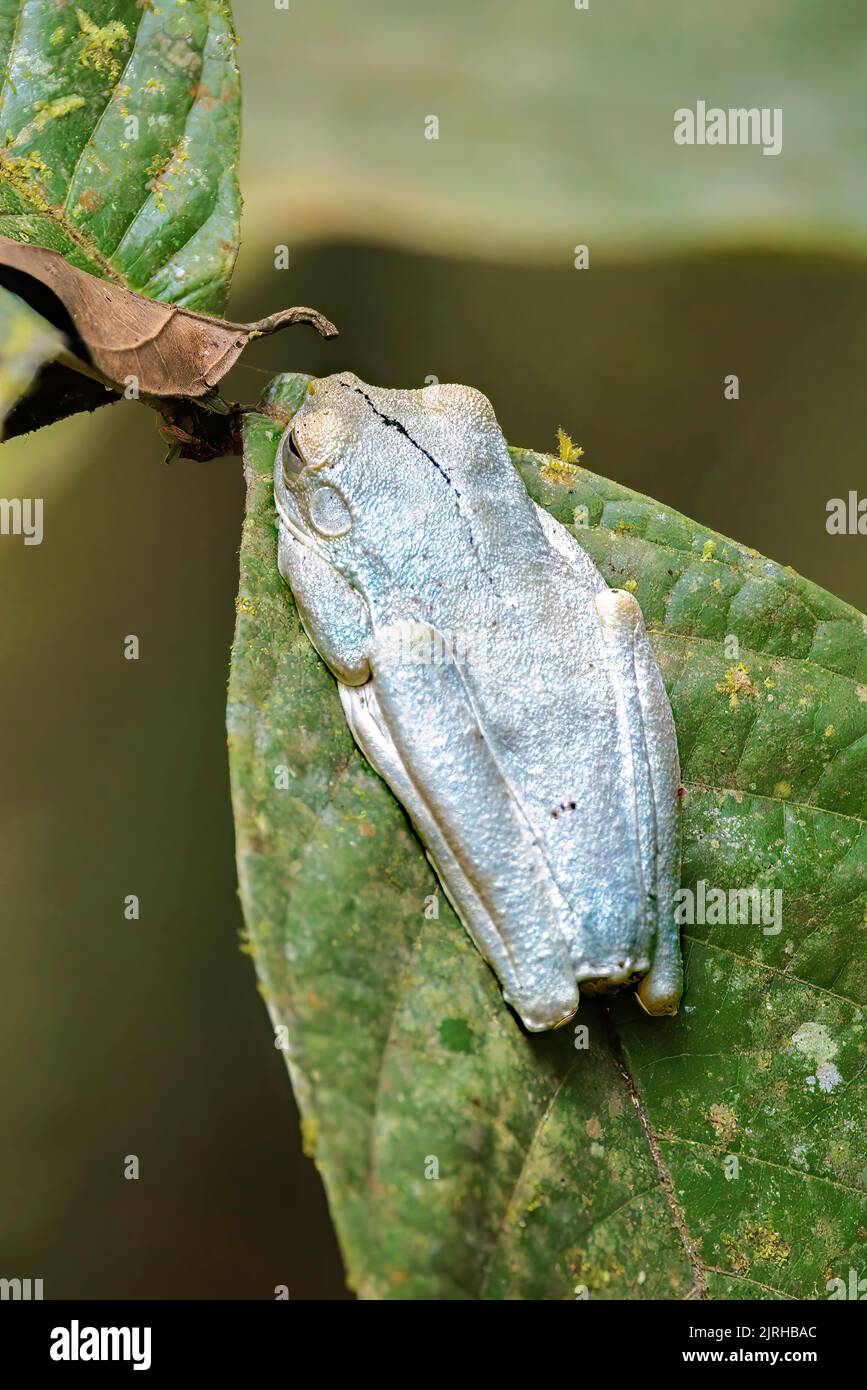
column 170, row 351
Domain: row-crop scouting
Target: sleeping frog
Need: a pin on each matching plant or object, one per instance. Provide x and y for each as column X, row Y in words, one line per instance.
column 508, row 697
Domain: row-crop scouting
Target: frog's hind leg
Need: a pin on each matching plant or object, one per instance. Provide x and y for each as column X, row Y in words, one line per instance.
column 416, row 724
column 655, row 759
column 366, row 723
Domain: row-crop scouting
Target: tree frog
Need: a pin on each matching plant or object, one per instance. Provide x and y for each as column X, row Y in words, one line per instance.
column 508, row 697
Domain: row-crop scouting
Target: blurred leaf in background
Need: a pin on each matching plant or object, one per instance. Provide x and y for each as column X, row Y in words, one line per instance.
column 555, row 125
column 26, row 342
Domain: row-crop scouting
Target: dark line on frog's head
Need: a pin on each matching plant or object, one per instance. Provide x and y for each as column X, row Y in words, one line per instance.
column 394, row 424
column 401, row 429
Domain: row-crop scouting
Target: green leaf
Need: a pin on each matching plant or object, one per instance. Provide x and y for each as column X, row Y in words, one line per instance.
column 717, row 1152
column 119, row 140
column 26, row 342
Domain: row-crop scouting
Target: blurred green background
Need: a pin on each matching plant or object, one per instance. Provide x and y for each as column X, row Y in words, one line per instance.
column 449, row 258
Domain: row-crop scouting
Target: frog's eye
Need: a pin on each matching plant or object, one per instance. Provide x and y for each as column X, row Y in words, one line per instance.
column 293, row 463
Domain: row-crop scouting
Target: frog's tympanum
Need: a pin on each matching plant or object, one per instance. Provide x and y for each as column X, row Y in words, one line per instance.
column 508, row 697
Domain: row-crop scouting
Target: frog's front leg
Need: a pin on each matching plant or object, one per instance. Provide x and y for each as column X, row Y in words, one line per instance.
column 656, row 771
column 335, row 616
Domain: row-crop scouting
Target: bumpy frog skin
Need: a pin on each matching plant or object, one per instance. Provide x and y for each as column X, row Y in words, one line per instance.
column 509, row 699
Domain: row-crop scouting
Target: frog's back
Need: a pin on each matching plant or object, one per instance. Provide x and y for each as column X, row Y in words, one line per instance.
column 553, row 711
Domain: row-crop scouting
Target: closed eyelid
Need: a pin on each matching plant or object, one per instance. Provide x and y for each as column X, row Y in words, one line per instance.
column 293, row 460
column 295, row 465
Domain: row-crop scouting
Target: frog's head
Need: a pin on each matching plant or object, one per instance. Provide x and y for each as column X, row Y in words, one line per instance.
column 358, row 458
column 313, row 482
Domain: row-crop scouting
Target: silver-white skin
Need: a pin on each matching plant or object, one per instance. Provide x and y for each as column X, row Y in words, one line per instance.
column 507, row 696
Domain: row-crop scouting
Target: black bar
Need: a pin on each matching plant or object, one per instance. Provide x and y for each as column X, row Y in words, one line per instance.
column 241, row 1338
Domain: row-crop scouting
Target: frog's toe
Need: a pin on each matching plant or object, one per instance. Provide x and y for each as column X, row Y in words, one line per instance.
column 539, row 1019
column 543, row 997
column 660, row 990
